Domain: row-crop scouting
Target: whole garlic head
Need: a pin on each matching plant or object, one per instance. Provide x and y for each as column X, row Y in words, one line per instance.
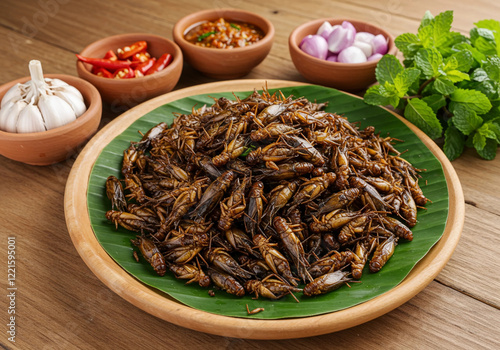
column 40, row 104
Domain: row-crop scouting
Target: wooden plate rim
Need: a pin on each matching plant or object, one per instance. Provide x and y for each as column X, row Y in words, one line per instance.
column 161, row 305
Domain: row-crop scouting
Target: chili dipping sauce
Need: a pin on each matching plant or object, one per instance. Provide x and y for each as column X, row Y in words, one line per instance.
column 222, row 34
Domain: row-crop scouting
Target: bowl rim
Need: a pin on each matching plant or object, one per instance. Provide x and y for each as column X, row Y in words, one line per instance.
column 186, row 22
column 94, row 104
column 292, row 43
column 174, row 65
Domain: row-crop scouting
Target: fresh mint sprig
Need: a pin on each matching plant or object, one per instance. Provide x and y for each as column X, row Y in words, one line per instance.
column 448, row 84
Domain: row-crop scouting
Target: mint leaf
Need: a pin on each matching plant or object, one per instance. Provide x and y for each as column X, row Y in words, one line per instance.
column 456, row 76
column 494, row 26
column 479, row 75
column 487, row 131
column 492, row 67
column 478, row 141
column 489, row 150
column 382, row 95
column 476, row 54
column 493, row 113
column 442, row 27
column 450, row 63
column 495, row 128
column 387, row 69
column 405, row 79
column 425, row 36
column 454, row 143
column 447, row 49
column 485, row 141
column 466, row 120
column 427, row 19
column 429, row 61
column 484, row 40
column 444, row 85
column 408, row 44
column 489, row 88
column 463, row 59
column 472, row 99
column 420, row 114
column 435, row 101
column 434, row 32
column 489, row 24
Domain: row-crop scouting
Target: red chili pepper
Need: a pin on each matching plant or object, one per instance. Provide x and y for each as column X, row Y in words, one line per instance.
column 130, row 50
column 160, row 64
column 142, row 56
column 105, row 63
column 124, row 73
column 143, row 67
column 110, row 55
column 102, row 72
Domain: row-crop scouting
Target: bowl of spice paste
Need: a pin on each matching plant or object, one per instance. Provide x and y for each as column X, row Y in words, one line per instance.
column 224, row 43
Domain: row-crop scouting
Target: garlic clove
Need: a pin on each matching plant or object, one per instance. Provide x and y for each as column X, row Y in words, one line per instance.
column 4, row 113
column 10, row 114
column 56, row 83
column 55, row 111
column 75, row 101
column 13, row 94
column 30, row 120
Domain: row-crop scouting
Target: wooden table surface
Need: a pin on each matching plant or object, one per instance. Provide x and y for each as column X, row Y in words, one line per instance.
column 60, row 304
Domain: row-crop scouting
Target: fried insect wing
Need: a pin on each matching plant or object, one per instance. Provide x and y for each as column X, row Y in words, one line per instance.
column 338, row 200
column 274, row 259
column 255, row 208
column 233, row 207
column 223, row 261
column 383, row 253
column 129, row 221
column 114, row 192
column 293, row 246
column 326, row 283
column 151, row 253
column 269, row 288
column 311, row 189
column 306, row 150
column 330, row 263
column 213, row 194
column 226, row 282
column 191, row 273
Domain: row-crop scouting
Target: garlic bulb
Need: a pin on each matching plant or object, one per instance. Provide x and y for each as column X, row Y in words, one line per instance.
column 40, row 104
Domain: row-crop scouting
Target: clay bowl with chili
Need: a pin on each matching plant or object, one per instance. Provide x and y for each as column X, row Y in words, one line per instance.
column 132, row 91
column 352, row 77
column 211, row 52
column 58, row 144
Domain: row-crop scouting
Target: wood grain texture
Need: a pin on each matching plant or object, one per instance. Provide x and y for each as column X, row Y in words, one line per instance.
column 62, row 305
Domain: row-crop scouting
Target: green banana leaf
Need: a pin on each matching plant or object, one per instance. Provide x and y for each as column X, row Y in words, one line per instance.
column 429, row 229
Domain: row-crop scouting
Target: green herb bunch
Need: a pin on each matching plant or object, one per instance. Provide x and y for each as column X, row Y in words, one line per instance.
column 448, row 84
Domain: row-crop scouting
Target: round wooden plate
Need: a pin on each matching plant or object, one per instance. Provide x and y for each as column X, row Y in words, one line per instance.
column 161, row 305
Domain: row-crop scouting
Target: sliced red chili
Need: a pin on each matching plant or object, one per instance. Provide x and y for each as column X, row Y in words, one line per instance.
column 130, row 50
column 143, row 67
column 110, row 55
column 124, row 73
column 160, row 64
column 105, row 63
column 142, row 56
column 102, row 72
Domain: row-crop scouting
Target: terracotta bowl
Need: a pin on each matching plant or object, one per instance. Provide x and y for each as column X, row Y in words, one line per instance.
column 351, row 77
column 55, row 145
column 224, row 63
column 130, row 92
